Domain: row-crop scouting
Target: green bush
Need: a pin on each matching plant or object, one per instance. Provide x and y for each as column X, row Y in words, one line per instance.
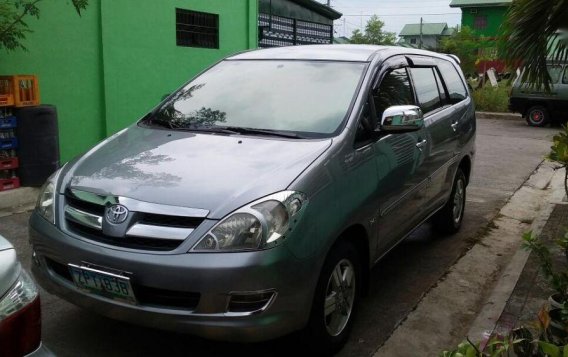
column 489, row 99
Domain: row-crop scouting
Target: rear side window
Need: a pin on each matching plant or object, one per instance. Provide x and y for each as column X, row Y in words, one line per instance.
column 454, row 83
column 565, row 76
column 426, row 88
column 554, row 71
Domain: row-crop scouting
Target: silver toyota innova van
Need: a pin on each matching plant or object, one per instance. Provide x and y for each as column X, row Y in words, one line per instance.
column 253, row 201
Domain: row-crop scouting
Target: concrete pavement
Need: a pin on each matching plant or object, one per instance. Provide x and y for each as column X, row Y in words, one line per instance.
column 19, row 200
column 507, row 154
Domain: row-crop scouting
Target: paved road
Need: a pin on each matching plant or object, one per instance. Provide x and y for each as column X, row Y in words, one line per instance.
column 507, row 153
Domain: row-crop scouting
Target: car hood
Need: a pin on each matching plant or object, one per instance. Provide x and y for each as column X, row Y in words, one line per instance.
column 218, row 173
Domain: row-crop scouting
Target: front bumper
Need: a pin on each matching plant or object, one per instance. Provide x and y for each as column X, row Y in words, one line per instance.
column 212, row 275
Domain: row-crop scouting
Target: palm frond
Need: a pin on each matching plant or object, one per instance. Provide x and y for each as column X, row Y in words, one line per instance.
column 533, row 34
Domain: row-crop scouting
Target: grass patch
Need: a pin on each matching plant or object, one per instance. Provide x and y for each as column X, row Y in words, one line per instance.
column 490, row 99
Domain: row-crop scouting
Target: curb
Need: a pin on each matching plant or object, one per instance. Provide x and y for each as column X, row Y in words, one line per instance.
column 465, row 304
column 500, row 116
column 487, row 322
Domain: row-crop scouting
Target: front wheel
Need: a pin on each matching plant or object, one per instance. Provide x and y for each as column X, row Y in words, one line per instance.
column 448, row 220
column 537, row 116
column 335, row 300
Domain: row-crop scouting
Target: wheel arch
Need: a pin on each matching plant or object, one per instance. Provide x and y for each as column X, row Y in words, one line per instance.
column 357, row 236
column 533, row 103
column 465, row 166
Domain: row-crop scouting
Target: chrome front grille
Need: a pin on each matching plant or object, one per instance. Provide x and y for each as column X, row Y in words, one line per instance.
column 148, row 226
column 84, row 218
column 84, row 206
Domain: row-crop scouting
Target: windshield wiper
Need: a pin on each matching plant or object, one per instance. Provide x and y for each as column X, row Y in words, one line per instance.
column 213, row 129
column 161, row 122
column 225, row 129
column 252, row 131
column 168, row 124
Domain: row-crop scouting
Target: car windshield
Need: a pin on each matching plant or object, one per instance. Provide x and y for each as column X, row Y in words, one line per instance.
column 310, row 98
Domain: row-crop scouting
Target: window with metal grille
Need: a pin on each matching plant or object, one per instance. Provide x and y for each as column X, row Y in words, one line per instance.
column 480, row 22
column 277, row 31
column 197, row 29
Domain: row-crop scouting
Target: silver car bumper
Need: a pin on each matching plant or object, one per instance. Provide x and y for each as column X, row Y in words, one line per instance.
column 211, row 276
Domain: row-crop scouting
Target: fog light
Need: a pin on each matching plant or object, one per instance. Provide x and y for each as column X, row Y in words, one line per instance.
column 250, row 302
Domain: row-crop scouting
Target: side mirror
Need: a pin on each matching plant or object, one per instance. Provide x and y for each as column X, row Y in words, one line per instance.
column 401, row 119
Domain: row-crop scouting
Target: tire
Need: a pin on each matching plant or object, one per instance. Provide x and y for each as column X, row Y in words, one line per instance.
column 449, row 219
column 326, row 334
column 537, row 116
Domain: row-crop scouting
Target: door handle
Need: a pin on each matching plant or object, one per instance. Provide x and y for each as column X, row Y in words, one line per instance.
column 421, row 144
column 455, row 126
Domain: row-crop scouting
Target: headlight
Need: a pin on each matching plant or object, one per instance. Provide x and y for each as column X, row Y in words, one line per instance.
column 45, row 205
column 259, row 225
column 45, row 202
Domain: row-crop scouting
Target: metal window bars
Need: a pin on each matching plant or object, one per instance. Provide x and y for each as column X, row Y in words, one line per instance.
column 197, row 29
column 275, row 31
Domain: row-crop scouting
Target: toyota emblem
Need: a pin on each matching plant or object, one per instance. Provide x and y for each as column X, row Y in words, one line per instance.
column 116, row 214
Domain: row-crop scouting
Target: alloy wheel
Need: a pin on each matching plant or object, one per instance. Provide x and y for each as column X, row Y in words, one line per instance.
column 459, row 200
column 339, row 298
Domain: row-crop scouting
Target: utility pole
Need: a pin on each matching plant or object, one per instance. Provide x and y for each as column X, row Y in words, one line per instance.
column 420, row 43
column 344, row 27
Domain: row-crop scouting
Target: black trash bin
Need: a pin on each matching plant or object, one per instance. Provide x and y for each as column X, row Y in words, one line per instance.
column 38, row 149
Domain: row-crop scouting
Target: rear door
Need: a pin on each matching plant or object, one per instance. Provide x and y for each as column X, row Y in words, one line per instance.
column 454, row 126
column 437, row 120
column 442, row 96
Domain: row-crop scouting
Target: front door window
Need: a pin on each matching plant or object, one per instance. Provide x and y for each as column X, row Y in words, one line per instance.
column 395, row 89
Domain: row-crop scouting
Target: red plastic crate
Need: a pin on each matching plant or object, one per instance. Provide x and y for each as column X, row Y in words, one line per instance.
column 8, row 164
column 9, row 184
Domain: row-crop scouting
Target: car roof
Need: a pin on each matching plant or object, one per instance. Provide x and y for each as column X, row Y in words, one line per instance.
column 354, row 53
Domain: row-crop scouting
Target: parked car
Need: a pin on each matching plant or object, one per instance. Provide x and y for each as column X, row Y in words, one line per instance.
column 537, row 106
column 20, row 310
column 253, row 201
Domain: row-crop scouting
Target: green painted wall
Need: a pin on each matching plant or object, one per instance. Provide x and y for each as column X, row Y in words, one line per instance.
column 495, row 16
column 64, row 51
column 144, row 63
column 106, row 69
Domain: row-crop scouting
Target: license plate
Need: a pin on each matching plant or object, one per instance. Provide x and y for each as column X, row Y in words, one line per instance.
column 111, row 286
